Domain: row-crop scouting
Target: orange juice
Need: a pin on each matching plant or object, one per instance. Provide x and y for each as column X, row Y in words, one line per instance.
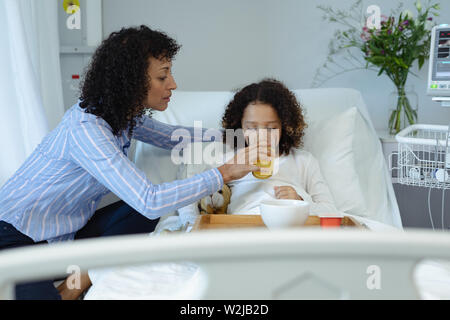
column 266, row 169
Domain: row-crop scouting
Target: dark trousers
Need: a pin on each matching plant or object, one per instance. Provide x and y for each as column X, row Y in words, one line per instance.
column 115, row 219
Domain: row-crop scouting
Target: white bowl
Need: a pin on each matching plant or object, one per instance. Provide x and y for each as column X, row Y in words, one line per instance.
column 284, row 213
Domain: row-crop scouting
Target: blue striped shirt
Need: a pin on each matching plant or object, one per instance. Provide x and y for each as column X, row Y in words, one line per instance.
column 58, row 187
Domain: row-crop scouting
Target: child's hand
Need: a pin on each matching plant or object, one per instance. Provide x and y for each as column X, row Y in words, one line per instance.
column 286, row 192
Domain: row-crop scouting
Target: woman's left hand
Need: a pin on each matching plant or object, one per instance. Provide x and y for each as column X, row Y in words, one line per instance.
column 286, row 192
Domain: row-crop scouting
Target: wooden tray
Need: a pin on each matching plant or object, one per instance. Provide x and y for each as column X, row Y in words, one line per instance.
column 228, row 221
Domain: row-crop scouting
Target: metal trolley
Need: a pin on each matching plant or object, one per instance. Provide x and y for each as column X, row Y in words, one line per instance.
column 423, row 159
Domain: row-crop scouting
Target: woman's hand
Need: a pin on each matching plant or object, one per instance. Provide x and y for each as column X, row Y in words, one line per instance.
column 286, row 192
column 243, row 162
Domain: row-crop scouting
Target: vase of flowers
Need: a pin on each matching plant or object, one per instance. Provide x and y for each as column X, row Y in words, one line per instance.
column 391, row 48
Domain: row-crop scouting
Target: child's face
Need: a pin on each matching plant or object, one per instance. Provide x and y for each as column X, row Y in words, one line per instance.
column 262, row 120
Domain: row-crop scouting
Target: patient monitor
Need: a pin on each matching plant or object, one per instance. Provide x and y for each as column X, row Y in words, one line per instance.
column 439, row 69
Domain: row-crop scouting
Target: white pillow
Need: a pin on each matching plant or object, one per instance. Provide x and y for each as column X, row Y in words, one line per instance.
column 331, row 142
column 370, row 166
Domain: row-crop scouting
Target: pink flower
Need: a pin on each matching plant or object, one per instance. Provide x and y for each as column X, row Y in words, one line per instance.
column 365, row 35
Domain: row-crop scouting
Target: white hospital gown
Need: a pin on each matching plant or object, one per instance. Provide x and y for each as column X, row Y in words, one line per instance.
column 299, row 170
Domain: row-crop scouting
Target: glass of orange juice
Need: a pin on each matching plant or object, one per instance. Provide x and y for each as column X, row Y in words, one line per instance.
column 265, row 169
column 265, row 166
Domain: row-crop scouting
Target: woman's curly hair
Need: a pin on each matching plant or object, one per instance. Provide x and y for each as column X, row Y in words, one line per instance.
column 116, row 83
column 276, row 94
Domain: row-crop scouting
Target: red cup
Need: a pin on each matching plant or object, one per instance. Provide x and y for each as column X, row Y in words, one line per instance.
column 330, row 222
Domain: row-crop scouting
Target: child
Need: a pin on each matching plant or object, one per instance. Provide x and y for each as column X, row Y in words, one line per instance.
column 268, row 107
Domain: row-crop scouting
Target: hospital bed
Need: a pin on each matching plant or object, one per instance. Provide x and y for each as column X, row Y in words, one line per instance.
column 261, row 264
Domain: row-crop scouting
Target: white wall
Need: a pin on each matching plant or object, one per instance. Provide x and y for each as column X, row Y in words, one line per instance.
column 227, row 44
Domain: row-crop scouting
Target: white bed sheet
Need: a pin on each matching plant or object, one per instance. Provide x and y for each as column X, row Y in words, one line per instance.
column 148, row 282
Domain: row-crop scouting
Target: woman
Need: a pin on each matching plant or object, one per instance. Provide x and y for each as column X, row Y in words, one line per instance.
column 54, row 194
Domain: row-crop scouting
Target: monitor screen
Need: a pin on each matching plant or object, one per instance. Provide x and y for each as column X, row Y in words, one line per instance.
column 441, row 67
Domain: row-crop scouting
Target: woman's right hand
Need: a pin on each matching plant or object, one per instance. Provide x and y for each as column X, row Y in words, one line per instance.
column 243, row 162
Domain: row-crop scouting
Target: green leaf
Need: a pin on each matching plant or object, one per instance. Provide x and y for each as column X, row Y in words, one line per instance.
column 400, row 63
column 377, row 60
column 421, row 61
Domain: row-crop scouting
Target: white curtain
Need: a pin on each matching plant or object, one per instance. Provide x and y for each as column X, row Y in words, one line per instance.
column 31, row 101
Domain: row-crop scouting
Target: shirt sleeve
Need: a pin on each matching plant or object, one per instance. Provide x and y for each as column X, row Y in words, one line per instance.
column 160, row 134
column 317, row 188
column 95, row 149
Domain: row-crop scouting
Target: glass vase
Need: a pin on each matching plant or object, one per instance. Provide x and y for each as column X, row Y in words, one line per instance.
column 403, row 106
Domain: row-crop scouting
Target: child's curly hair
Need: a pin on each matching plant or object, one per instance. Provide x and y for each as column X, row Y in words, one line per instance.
column 274, row 93
column 116, row 82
